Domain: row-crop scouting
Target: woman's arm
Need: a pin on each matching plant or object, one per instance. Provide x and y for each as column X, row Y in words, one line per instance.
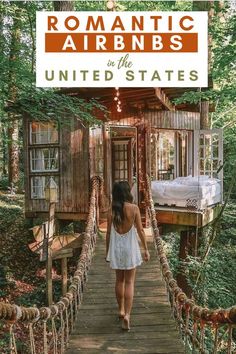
column 141, row 233
column 109, row 219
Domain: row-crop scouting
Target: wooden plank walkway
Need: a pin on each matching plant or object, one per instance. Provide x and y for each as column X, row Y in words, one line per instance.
column 98, row 330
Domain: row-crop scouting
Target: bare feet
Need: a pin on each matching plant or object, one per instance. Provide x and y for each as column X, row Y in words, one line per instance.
column 121, row 315
column 125, row 323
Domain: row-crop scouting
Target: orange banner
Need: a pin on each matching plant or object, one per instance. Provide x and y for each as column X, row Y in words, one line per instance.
column 121, row 42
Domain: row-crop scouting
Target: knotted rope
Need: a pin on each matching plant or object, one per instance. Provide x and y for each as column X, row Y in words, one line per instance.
column 65, row 311
column 13, row 348
column 181, row 304
column 31, row 335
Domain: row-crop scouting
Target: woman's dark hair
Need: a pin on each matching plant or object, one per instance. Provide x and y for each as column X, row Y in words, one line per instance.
column 120, row 194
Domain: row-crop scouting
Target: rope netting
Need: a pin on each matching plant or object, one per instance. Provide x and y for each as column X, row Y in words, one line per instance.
column 193, row 320
column 50, row 327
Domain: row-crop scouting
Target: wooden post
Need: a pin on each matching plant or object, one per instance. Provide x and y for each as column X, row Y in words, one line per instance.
column 49, row 276
column 204, row 115
column 49, row 253
column 64, row 275
column 183, row 253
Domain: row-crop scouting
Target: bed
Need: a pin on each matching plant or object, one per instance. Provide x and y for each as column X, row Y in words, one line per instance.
column 188, row 192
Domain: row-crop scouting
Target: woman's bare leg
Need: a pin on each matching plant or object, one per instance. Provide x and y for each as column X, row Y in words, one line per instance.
column 129, row 295
column 120, row 291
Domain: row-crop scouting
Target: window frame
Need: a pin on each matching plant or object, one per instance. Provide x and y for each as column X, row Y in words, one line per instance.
column 43, row 170
column 43, row 173
column 47, row 143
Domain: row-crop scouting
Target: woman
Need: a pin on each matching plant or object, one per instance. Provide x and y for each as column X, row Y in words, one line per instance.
column 122, row 248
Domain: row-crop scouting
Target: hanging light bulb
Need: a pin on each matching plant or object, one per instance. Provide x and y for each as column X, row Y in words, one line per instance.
column 117, row 100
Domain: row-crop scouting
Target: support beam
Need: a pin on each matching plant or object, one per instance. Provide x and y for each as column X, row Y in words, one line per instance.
column 64, row 275
column 49, row 253
column 160, row 94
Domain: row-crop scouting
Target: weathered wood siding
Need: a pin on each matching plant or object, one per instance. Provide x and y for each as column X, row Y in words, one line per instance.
column 173, row 120
column 74, row 179
column 125, row 121
column 163, row 120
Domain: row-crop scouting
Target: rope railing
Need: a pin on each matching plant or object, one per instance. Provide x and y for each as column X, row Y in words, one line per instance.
column 50, row 327
column 193, row 320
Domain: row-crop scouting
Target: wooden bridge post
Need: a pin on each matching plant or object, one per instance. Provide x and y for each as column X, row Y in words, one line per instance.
column 64, row 275
column 49, row 253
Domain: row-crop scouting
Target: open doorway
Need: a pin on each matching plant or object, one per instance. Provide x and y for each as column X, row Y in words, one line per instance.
column 171, row 153
column 124, row 156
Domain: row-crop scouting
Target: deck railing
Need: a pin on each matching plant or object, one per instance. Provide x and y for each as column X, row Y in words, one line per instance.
column 46, row 330
column 193, row 321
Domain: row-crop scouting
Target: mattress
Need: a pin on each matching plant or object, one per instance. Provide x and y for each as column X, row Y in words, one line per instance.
column 188, row 192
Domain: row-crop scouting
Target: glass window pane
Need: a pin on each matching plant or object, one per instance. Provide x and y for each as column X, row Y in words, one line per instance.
column 201, row 139
column 38, row 184
column 208, row 140
column 96, row 144
column 202, row 152
column 208, row 164
column 215, row 152
column 215, row 139
column 163, row 154
column 201, row 165
column 215, row 165
column 44, row 159
column 43, row 133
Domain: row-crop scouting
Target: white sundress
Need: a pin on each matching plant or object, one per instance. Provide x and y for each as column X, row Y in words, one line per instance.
column 124, row 252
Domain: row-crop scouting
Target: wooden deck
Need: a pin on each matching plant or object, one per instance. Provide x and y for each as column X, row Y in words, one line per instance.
column 98, row 330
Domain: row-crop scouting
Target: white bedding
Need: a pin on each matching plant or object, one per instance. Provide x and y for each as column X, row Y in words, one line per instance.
column 197, row 192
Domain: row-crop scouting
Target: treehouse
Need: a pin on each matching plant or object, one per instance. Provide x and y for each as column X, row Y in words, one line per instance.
column 145, row 134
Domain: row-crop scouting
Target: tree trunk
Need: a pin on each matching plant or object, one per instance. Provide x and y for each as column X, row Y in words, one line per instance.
column 13, row 124
column 205, row 119
column 1, row 107
column 63, row 5
column 188, row 246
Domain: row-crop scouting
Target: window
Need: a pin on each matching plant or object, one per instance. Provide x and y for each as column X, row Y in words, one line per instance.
column 120, row 163
column 171, row 153
column 96, row 152
column 38, row 184
column 44, row 158
column 163, row 155
column 209, row 154
column 43, row 133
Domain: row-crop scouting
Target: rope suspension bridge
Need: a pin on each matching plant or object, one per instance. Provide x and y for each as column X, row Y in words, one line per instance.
column 164, row 319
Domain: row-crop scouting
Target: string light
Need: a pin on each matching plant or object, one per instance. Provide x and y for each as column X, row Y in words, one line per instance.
column 117, row 100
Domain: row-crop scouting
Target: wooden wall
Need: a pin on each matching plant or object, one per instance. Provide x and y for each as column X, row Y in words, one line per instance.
column 74, row 179
column 163, row 120
column 74, row 173
column 172, row 120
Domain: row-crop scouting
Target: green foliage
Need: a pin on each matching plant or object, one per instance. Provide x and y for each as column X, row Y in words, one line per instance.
column 47, row 105
column 4, row 183
column 217, row 285
column 41, row 104
column 38, row 296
